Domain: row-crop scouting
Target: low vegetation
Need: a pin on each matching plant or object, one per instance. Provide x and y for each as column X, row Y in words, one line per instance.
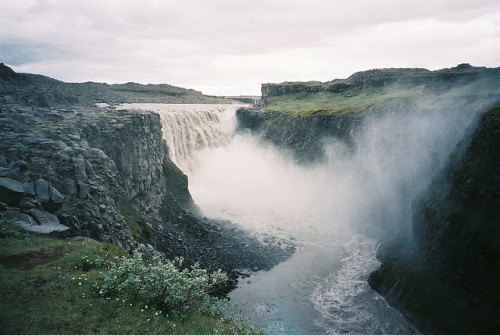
column 372, row 99
column 50, row 286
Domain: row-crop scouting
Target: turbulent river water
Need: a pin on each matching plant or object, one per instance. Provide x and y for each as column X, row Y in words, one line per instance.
column 334, row 211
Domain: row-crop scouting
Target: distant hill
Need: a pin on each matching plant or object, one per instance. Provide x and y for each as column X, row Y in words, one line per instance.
column 42, row 91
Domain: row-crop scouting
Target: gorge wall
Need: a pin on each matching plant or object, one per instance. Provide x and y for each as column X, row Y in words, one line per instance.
column 448, row 283
column 302, row 136
column 97, row 166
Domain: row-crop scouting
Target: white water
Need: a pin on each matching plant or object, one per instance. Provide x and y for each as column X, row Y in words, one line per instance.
column 332, row 210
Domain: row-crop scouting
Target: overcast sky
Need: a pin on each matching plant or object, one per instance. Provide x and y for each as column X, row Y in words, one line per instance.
column 230, row 47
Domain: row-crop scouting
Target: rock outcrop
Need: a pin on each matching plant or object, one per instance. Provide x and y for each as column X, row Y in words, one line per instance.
column 59, row 172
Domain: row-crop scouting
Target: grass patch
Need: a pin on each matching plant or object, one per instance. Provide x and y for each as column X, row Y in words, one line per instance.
column 59, row 293
column 326, row 103
column 373, row 99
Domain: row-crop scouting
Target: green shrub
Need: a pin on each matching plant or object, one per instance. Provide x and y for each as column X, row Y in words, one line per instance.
column 163, row 286
column 174, row 292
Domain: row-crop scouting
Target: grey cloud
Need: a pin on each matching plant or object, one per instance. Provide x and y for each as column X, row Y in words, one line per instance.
column 209, row 43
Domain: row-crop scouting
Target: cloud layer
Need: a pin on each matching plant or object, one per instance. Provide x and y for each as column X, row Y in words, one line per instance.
column 231, row 46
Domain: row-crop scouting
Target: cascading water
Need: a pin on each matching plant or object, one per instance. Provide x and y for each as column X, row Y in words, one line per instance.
column 333, row 210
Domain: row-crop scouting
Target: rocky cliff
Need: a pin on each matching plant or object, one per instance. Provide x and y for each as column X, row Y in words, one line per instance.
column 300, row 116
column 105, row 173
column 79, row 167
column 448, row 282
column 303, row 136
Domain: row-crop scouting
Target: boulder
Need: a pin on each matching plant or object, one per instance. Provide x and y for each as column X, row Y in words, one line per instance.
column 55, row 196
column 42, row 188
column 42, row 217
column 47, row 223
column 11, row 191
column 52, row 229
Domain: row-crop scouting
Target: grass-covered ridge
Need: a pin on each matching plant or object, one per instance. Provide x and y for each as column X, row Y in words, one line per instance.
column 53, row 286
column 375, row 90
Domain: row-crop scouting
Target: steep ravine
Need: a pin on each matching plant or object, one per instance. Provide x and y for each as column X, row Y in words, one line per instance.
column 443, row 276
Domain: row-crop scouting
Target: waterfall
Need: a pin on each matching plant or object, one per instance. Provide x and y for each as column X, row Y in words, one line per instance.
column 190, row 128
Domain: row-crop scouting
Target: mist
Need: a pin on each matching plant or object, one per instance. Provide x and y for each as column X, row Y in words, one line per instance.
column 365, row 189
column 335, row 210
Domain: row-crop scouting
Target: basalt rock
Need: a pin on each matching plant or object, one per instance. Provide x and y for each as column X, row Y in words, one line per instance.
column 304, row 137
column 11, row 191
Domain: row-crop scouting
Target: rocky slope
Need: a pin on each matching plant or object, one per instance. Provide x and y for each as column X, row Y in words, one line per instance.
column 78, row 170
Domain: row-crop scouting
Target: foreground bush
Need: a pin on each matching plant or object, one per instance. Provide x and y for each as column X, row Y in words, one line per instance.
column 160, row 285
column 170, row 290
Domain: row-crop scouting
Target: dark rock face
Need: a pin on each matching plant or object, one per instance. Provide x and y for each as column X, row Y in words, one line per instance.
column 303, row 136
column 64, row 171
column 448, row 283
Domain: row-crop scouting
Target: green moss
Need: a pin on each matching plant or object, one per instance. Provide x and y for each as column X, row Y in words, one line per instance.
column 134, row 220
